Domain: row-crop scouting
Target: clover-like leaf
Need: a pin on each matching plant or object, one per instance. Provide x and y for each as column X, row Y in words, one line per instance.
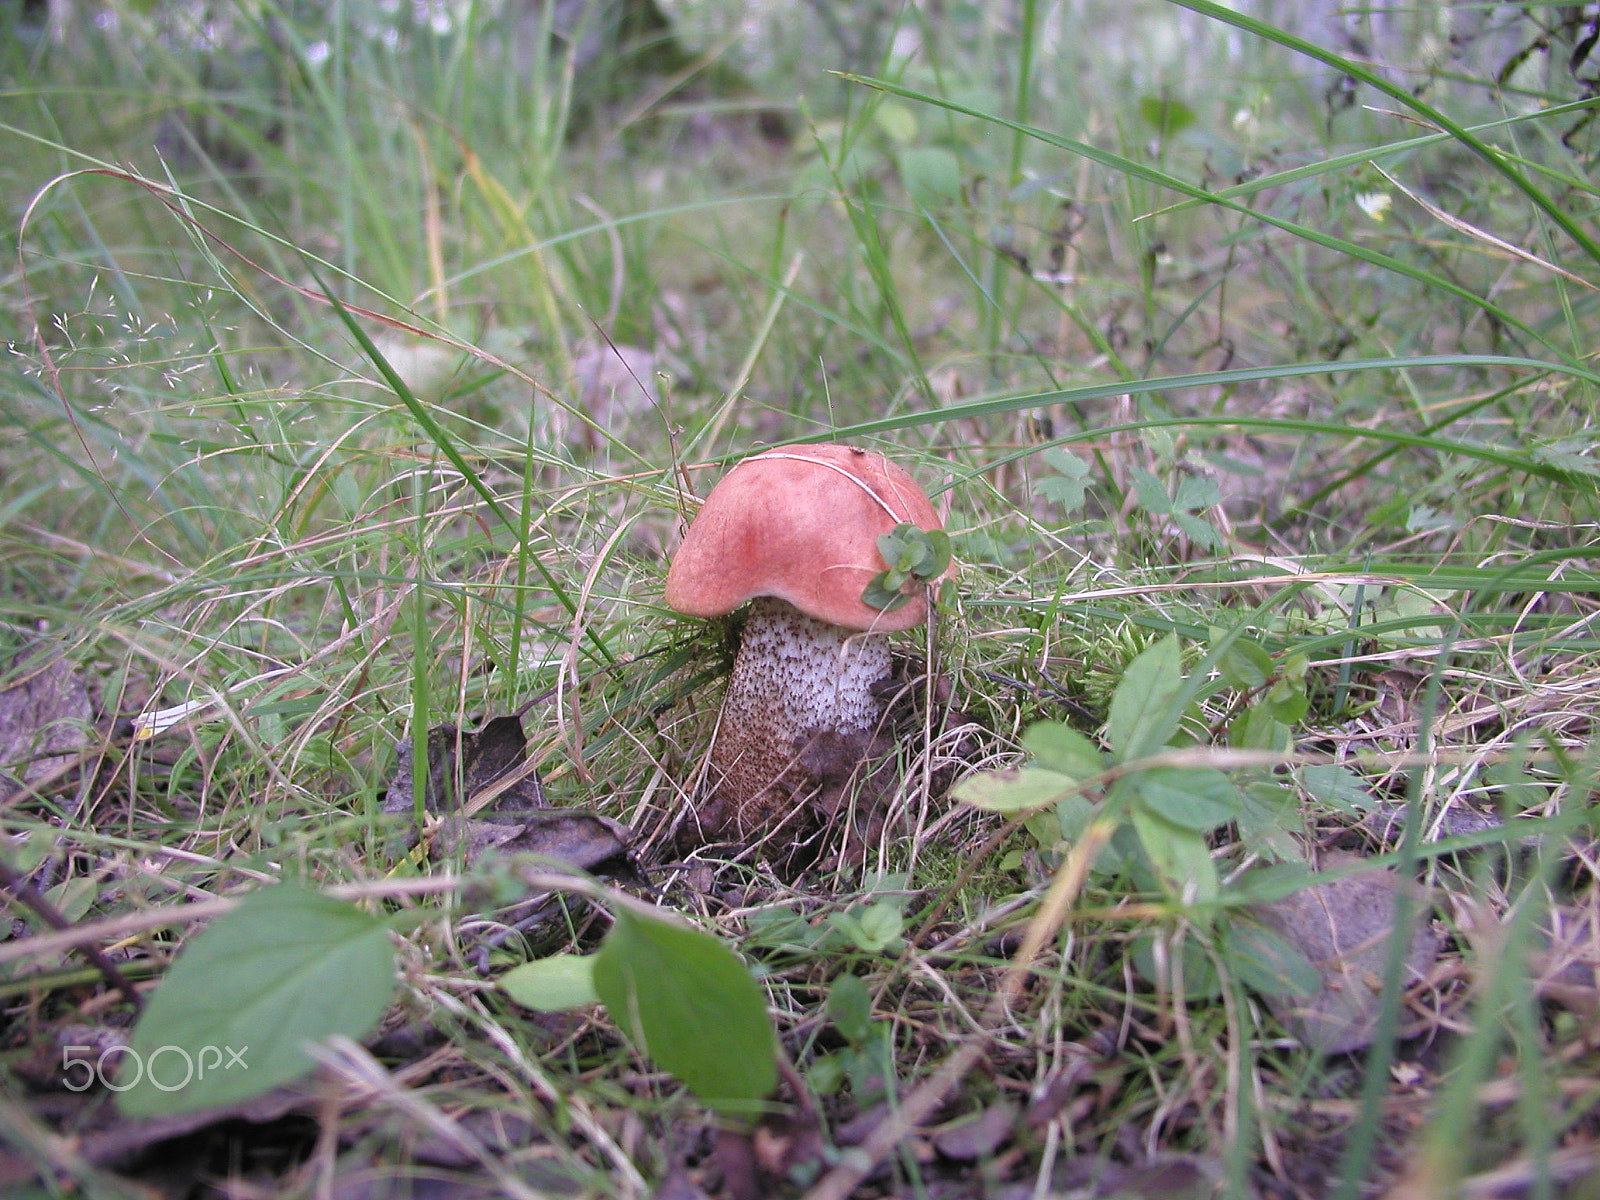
column 878, row 594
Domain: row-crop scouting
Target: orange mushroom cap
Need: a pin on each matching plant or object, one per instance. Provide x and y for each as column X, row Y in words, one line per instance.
column 800, row 523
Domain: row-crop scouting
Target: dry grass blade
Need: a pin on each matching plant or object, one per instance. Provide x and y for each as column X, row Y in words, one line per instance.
column 1510, row 249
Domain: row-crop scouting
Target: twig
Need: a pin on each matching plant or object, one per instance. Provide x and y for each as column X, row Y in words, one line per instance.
column 26, row 894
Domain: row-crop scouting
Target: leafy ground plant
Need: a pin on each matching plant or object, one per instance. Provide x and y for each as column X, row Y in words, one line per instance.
column 365, row 364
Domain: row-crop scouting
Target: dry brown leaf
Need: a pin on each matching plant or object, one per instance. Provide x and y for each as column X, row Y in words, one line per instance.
column 1342, row 926
column 45, row 714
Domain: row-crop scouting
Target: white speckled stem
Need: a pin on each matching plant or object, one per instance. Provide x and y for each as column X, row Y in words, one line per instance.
column 794, row 678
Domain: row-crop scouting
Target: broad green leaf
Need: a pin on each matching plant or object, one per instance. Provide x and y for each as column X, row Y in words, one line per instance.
column 1271, row 882
column 1196, row 492
column 1517, row 790
column 1045, row 826
column 1069, row 485
column 1180, row 856
column 1060, row 748
column 1245, row 664
column 1198, row 530
column 784, row 929
column 1189, row 973
column 690, row 1004
column 1271, row 823
column 936, row 557
column 1267, row 962
column 880, row 595
column 72, row 898
column 1144, row 713
column 1058, row 489
column 1066, row 462
column 1165, row 116
column 1257, row 729
column 1074, row 814
column 1197, row 798
column 850, row 1007
column 871, row 928
column 911, row 551
column 1150, row 490
column 1286, row 701
column 551, row 984
column 931, row 175
column 896, row 549
column 827, row 1072
column 881, row 924
column 897, row 120
column 287, row 968
column 1337, row 787
column 1014, row 789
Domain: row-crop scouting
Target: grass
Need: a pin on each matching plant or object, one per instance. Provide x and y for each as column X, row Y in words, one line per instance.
column 304, row 323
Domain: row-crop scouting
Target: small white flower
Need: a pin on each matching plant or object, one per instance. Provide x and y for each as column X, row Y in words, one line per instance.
column 1375, row 204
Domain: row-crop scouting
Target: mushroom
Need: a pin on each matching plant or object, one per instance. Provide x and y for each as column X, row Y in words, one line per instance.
column 795, row 532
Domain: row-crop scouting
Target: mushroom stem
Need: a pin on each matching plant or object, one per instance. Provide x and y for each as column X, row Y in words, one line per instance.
column 801, row 692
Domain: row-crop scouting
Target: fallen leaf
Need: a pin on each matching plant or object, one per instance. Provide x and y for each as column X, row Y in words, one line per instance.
column 493, row 760
column 1163, row 1177
column 44, row 718
column 1566, row 961
column 1342, row 926
column 979, row 1135
column 577, row 838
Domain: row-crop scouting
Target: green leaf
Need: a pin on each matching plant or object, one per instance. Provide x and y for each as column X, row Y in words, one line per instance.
column 1272, row 882
column 1270, row 821
column 1180, row 856
column 1199, row 531
column 1518, row 791
column 896, row 548
column 1070, row 485
column 1165, row 116
column 1189, row 973
column 1286, row 701
column 936, row 555
column 850, row 1007
column 688, row 1002
column 1257, row 729
column 1066, row 462
column 1197, row 798
column 1267, row 962
column 287, row 968
column 897, row 120
column 1144, row 712
column 1150, row 490
column 871, row 929
column 931, row 175
column 915, row 552
column 1245, row 664
column 1338, row 787
column 880, row 595
column 1014, row 789
column 881, row 924
column 1058, row 489
column 1196, row 492
column 1057, row 747
column 551, row 984
column 912, row 553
